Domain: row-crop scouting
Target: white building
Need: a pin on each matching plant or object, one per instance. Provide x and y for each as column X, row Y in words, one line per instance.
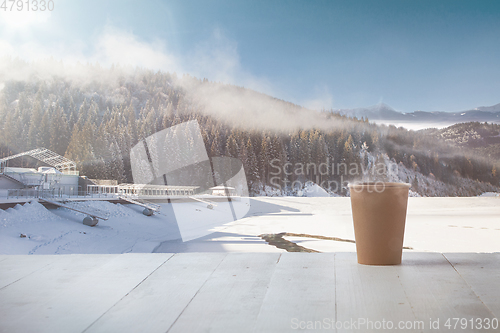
column 223, row 191
column 59, row 178
column 22, row 181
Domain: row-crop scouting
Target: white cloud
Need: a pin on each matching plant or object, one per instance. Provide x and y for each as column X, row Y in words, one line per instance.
column 60, row 58
column 113, row 46
column 120, row 47
column 15, row 20
column 323, row 99
column 218, row 59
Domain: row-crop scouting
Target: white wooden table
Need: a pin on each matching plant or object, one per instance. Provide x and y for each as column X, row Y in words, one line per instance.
column 247, row 292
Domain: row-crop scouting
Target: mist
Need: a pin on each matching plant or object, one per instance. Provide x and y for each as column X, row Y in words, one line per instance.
column 116, row 55
column 248, row 109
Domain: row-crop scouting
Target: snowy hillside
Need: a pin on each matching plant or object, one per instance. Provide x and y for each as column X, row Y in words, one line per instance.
column 95, row 123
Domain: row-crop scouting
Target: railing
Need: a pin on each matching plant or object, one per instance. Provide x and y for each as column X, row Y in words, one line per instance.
column 50, row 193
column 102, row 189
column 33, row 193
column 71, row 172
column 94, row 191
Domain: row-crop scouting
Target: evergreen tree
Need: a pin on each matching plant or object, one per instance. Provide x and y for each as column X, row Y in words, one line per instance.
column 59, row 133
column 34, row 127
column 264, row 160
column 252, row 172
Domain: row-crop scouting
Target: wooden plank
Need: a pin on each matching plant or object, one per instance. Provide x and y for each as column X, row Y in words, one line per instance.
column 481, row 271
column 231, row 298
column 301, row 291
column 436, row 292
column 245, row 292
column 73, row 292
column 367, row 295
column 157, row 302
column 21, row 302
column 16, row 267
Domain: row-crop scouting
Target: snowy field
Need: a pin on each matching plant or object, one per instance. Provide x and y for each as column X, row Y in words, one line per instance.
column 433, row 225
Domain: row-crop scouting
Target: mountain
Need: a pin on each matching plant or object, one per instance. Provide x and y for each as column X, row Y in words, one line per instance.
column 494, row 108
column 384, row 113
column 478, row 139
column 378, row 111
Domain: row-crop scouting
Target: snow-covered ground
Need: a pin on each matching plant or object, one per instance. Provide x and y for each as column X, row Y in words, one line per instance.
column 61, row 231
column 433, row 224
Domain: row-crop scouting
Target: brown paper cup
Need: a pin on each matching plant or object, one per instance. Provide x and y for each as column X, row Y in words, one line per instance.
column 379, row 216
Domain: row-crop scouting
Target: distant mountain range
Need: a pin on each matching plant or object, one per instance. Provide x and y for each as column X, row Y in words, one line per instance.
column 383, row 112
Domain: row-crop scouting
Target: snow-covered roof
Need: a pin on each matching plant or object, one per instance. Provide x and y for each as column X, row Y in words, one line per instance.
column 50, row 170
column 20, row 170
column 48, row 157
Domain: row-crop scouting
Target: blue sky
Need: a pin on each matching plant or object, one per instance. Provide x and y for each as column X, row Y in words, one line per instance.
column 412, row 55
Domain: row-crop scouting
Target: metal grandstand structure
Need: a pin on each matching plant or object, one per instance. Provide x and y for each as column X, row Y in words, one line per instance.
column 46, row 156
